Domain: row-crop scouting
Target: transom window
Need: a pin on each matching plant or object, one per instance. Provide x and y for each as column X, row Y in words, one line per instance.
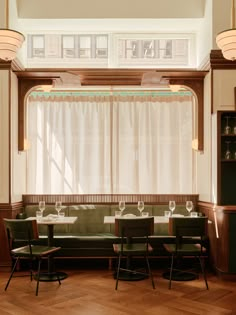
column 111, row 50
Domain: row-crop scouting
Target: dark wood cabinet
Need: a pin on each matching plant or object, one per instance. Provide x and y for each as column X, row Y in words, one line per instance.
column 224, row 157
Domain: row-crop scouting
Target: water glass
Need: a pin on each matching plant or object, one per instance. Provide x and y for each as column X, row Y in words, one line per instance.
column 145, row 214
column 193, row 214
column 61, row 215
column 167, row 214
column 118, row 213
column 39, row 215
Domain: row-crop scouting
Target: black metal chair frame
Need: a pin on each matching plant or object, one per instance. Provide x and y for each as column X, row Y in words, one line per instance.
column 190, row 235
column 26, row 231
column 134, row 241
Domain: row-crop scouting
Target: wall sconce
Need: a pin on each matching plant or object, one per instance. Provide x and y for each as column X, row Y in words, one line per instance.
column 46, row 88
column 10, row 40
column 26, row 145
column 175, row 87
column 195, row 144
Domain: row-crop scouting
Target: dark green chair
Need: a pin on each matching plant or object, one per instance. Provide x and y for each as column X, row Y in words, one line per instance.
column 190, row 235
column 134, row 241
column 27, row 232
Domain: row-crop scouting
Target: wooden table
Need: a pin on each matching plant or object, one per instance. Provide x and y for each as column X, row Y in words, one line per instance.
column 50, row 221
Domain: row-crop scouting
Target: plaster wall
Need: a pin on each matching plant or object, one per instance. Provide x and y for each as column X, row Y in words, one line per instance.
column 4, row 136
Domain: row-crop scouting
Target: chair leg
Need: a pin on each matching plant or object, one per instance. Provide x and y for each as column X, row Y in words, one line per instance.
column 202, row 264
column 150, row 272
column 39, row 269
column 12, row 272
column 58, row 278
column 171, row 270
column 118, row 272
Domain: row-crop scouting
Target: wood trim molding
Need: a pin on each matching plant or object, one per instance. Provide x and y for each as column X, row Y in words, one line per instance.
column 24, row 87
column 27, row 80
column 110, row 198
column 217, row 61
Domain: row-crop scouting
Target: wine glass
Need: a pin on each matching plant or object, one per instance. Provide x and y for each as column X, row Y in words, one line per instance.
column 227, row 152
column 42, row 206
column 227, row 128
column 140, row 206
column 189, row 206
column 58, row 206
column 172, row 206
column 234, row 129
column 122, row 206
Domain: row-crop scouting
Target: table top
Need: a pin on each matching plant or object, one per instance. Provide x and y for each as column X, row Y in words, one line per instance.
column 53, row 219
column 157, row 219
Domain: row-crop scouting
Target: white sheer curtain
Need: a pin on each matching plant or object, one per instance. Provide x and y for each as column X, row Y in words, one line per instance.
column 103, row 144
column 69, row 146
column 152, row 150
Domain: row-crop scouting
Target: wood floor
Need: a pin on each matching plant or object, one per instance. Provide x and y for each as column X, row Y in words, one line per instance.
column 89, row 291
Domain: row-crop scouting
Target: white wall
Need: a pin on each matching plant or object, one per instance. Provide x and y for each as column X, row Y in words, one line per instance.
column 224, row 82
column 18, row 159
column 4, row 136
column 204, row 35
column 204, row 158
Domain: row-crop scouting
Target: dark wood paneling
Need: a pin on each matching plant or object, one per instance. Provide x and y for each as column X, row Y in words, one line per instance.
column 220, row 233
column 110, row 199
column 8, row 211
column 217, row 61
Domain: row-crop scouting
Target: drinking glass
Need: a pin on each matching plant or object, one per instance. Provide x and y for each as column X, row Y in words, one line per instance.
column 42, row 206
column 189, row 206
column 122, row 206
column 227, row 128
column 172, row 206
column 58, row 206
column 234, row 128
column 140, row 206
column 227, row 152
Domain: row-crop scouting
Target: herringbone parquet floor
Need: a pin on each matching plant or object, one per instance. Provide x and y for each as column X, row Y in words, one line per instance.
column 89, row 291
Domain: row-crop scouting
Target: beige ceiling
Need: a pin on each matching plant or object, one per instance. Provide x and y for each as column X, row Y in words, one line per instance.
column 105, row 9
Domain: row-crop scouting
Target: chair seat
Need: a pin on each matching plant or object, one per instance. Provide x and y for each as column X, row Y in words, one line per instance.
column 188, row 249
column 37, row 250
column 134, row 248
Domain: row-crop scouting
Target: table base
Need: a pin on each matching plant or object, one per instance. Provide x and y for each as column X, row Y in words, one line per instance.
column 49, row 277
column 129, row 276
column 179, row 275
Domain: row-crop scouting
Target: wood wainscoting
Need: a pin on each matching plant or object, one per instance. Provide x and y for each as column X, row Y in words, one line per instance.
column 222, row 235
column 9, row 211
column 111, row 198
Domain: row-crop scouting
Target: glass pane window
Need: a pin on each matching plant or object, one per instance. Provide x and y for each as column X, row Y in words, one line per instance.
column 148, row 48
column 85, row 47
column 101, row 47
column 68, row 46
column 38, row 46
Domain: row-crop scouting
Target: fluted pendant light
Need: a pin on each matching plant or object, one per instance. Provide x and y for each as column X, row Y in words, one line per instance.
column 226, row 40
column 10, row 40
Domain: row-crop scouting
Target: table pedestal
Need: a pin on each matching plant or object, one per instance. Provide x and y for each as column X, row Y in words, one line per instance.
column 179, row 275
column 53, row 276
column 129, row 276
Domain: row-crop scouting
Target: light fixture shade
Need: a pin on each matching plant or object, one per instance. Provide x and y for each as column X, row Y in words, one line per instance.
column 226, row 41
column 10, row 42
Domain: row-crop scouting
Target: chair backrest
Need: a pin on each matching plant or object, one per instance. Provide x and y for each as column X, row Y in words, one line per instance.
column 181, row 227
column 134, row 227
column 21, row 229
